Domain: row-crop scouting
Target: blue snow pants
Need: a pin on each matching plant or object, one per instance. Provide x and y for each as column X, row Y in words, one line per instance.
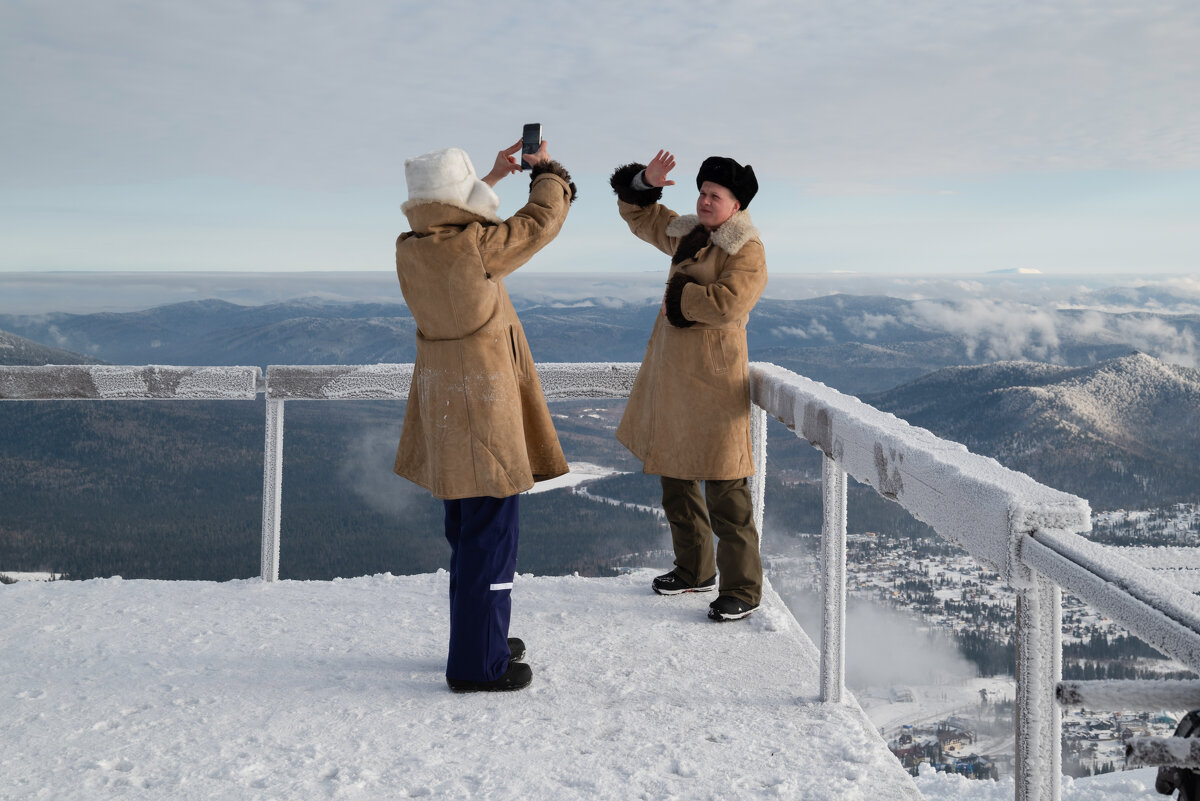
column 483, row 560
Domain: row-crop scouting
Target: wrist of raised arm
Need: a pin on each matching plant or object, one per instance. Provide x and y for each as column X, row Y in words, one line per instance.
column 622, row 185
column 554, row 168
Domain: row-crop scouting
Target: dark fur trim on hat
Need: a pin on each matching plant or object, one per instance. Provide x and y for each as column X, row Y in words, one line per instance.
column 554, row 168
column 622, row 184
column 674, row 299
column 690, row 244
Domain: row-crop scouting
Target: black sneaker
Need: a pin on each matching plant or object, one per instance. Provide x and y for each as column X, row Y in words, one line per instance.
column 672, row 584
column 729, row 608
column 516, row 649
column 517, row 677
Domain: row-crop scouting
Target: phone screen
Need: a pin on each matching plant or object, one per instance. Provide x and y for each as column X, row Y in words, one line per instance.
column 531, row 140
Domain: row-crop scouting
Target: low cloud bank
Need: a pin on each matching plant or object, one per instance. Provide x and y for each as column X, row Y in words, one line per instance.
column 997, row 330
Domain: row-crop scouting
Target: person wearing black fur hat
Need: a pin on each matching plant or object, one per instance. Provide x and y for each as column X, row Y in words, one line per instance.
column 688, row 415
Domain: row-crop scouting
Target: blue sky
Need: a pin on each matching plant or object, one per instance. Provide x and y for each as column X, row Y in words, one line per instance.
column 929, row 136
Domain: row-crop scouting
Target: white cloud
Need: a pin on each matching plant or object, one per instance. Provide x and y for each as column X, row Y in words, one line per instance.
column 993, row 330
column 814, row 330
column 868, row 326
column 1006, row 329
column 337, row 95
column 1158, row 337
column 857, row 117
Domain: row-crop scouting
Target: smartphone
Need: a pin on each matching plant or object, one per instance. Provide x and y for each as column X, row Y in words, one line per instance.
column 531, row 140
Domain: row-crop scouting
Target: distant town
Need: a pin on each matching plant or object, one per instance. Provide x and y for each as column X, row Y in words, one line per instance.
column 949, row 594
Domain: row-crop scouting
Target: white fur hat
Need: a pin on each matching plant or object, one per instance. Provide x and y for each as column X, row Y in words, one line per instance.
column 447, row 176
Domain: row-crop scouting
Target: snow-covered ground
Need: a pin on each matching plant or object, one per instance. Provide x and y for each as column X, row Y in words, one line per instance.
column 248, row 690
column 1133, row 785
column 335, row 690
column 933, row 702
column 581, row 472
column 20, row 576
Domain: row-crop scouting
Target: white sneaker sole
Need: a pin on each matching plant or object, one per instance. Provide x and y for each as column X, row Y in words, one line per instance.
column 681, row 592
column 720, row 616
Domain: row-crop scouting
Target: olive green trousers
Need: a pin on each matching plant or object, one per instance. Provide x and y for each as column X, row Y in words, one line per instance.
column 724, row 509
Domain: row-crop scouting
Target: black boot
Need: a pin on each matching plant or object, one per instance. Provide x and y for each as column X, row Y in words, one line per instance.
column 729, row 608
column 517, row 677
column 672, row 584
column 516, row 650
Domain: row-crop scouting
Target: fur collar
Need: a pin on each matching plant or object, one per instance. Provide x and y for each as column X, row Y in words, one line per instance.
column 730, row 237
column 427, row 210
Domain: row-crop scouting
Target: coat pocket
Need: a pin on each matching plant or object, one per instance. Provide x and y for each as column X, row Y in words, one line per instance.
column 518, row 351
column 715, row 346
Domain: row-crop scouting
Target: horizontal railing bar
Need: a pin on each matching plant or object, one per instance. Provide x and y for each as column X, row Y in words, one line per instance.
column 569, row 380
column 338, row 382
column 560, row 381
column 1140, row 694
column 1164, row 557
column 1150, row 752
column 127, row 382
column 969, row 499
column 1187, row 579
column 1149, row 619
column 1114, row 570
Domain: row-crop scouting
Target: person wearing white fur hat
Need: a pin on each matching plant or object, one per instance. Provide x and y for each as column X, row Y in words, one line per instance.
column 477, row 431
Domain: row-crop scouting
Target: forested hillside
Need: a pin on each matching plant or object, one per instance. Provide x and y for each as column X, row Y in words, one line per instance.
column 173, row 490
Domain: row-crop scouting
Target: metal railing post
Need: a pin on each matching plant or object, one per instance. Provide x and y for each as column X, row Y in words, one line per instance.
column 272, row 489
column 1039, row 670
column 833, row 572
column 758, row 481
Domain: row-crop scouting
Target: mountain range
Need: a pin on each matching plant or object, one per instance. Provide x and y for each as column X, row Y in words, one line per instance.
column 1119, row 433
column 854, row 343
column 20, row 351
column 1105, row 422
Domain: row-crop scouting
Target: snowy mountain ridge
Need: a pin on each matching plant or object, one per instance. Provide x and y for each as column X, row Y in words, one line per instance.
column 855, row 343
column 1100, row 431
column 17, row 350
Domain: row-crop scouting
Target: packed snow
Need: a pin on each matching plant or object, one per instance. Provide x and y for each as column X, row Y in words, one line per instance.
column 581, row 472
column 250, row 690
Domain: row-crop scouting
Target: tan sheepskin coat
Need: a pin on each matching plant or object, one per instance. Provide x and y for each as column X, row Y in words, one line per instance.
column 476, row 423
column 688, row 414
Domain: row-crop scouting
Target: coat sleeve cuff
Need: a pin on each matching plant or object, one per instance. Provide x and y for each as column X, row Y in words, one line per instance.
column 622, row 184
column 554, row 168
column 674, row 299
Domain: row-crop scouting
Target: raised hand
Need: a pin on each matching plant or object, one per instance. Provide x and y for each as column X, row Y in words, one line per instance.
column 540, row 157
column 660, row 165
column 505, row 165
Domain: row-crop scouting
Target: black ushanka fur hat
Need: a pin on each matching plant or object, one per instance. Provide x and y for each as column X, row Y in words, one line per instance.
column 733, row 176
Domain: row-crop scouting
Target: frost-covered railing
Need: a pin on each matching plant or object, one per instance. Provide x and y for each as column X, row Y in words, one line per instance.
column 117, row 382
column 1027, row 532
column 560, row 381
